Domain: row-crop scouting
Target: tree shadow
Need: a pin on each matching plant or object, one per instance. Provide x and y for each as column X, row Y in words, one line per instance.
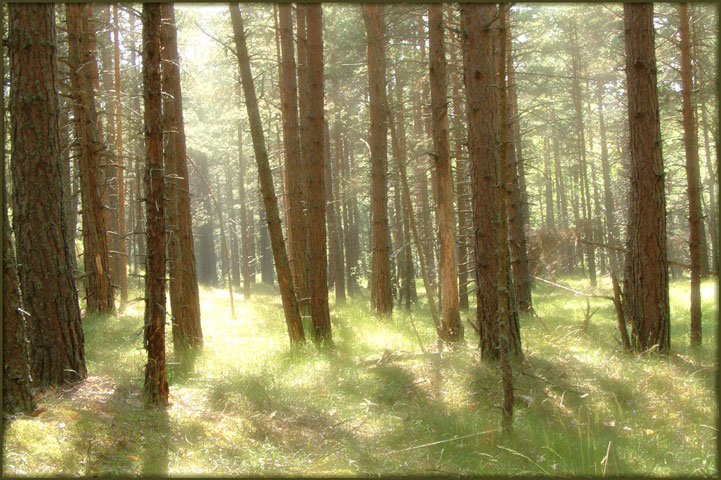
column 155, row 454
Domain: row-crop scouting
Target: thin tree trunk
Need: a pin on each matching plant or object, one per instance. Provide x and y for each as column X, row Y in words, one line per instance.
column 83, row 74
column 516, row 218
column 450, row 311
column 381, row 295
column 156, row 383
column 608, row 204
column 184, row 296
column 340, row 205
column 693, row 177
column 646, row 300
column 120, row 160
column 285, row 282
column 244, row 223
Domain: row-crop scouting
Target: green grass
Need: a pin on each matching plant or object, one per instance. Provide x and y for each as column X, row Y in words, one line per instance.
column 247, row 405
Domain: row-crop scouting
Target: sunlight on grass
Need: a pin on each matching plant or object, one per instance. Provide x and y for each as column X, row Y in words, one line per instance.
column 247, row 405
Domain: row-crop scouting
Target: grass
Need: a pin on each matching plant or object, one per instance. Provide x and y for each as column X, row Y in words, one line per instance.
column 246, row 405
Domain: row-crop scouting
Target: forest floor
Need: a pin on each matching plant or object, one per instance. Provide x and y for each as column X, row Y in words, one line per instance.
column 377, row 404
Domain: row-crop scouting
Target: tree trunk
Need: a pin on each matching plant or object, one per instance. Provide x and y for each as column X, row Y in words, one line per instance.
column 697, row 247
column 184, row 297
column 207, row 258
column 577, row 97
column 44, row 267
column 462, row 174
column 381, row 295
column 450, row 312
column 245, row 255
column 482, row 112
column 317, row 253
column 285, row 282
column 516, row 217
column 608, row 204
column 83, row 76
column 291, row 142
column 646, row 273
column 17, row 396
column 233, row 230
column 339, row 203
column 156, row 384
column 120, row 160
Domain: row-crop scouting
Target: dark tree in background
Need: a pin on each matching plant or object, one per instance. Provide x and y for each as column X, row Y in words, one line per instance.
column 44, row 265
column 645, row 290
column 156, row 383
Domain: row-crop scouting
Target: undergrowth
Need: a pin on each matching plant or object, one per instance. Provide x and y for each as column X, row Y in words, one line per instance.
column 378, row 403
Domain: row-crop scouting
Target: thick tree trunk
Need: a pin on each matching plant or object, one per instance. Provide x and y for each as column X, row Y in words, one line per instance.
column 381, row 295
column 697, row 247
column 44, row 266
column 450, row 311
column 482, row 112
column 285, row 282
column 646, row 300
column 83, row 77
column 156, row 383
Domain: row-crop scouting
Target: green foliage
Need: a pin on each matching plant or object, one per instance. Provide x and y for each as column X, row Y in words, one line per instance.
column 247, row 405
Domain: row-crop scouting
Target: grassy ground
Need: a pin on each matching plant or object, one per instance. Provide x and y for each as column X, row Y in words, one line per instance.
column 247, row 406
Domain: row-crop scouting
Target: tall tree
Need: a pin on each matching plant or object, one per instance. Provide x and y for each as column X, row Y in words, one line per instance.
column 16, row 393
column 317, row 253
column 494, row 310
column 517, row 206
column 285, row 281
column 450, row 312
column 44, row 266
column 83, row 78
column 156, row 383
column 184, row 298
column 381, row 295
column 17, row 396
column 246, row 239
column 120, row 161
column 291, row 143
column 697, row 246
column 645, row 291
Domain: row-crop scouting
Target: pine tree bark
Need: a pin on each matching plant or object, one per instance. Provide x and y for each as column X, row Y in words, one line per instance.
column 514, row 181
column 608, row 203
column 183, row 285
column 156, row 384
column 381, row 296
column 462, row 175
column 45, row 269
column 17, row 395
column 646, row 302
column 120, row 160
column 291, row 143
column 450, row 312
column 693, row 177
column 483, row 130
column 83, row 78
column 285, row 282
column 317, row 253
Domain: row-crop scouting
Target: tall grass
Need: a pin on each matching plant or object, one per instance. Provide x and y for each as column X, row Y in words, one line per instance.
column 377, row 404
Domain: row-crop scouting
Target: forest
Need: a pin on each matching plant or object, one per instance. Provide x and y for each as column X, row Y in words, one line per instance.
column 345, row 239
